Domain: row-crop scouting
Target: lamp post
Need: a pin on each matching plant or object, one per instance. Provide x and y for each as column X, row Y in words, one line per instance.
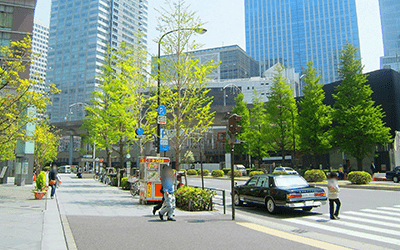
column 294, row 137
column 197, row 30
column 224, row 89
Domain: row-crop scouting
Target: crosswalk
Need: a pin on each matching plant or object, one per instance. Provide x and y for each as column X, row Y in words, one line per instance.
column 378, row 226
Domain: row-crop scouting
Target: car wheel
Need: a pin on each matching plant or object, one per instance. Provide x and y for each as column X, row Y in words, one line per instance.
column 270, row 204
column 307, row 209
column 395, row 179
column 238, row 202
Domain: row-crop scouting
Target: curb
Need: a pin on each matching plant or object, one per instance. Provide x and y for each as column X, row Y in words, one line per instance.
column 395, row 188
column 69, row 237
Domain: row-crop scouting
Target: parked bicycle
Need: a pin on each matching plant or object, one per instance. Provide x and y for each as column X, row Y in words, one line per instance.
column 135, row 188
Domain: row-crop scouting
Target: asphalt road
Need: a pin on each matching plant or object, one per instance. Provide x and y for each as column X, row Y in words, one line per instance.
column 369, row 218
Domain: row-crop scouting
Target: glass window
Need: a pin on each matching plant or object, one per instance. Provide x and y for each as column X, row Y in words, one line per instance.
column 262, row 182
column 252, row 181
column 6, row 16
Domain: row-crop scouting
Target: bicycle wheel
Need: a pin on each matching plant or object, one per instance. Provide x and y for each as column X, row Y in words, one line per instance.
column 96, row 177
column 135, row 188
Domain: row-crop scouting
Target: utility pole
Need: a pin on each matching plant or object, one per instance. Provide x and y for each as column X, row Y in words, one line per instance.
column 234, row 129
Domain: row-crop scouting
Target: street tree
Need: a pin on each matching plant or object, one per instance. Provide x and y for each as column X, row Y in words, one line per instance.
column 19, row 102
column 256, row 134
column 315, row 118
column 47, row 140
column 358, row 121
column 184, row 79
column 281, row 110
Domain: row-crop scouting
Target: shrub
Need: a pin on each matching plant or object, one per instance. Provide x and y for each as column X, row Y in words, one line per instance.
column 217, row 173
column 359, row 177
column 236, row 173
column 248, row 170
column 47, row 168
column 191, row 172
column 182, row 170
column 194, row 199
column 226, row 170
column 280, row 173
column 255, row 172
column 41, row 181
column 314, row 175
column 205, row 172
column 125, row 185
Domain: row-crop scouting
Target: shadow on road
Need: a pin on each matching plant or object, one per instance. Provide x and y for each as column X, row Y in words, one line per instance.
column 281, row 213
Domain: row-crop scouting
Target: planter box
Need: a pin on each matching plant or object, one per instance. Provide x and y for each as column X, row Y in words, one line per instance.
column 39, row 195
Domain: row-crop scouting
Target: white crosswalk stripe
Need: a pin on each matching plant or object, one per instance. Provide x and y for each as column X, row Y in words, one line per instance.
column 380, row 225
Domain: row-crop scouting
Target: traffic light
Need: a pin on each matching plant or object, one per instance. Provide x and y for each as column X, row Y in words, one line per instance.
column 234, row 129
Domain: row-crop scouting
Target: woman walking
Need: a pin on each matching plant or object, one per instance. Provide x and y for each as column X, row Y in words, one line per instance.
column 53, row 180
column 333, row 195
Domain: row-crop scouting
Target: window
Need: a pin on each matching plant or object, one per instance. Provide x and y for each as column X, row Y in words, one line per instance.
column 252, row 182
column 6, row 16
column 262, row 182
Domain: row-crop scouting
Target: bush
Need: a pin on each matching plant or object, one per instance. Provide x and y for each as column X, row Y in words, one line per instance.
column 205, row 172
column 41, row 181
column 255, row 172
column 359, row 177
column 248, row 170
column 314, row 175
column 182, row 170
column 47, row 168
column 125, row 185
column 217, row 173
column 194, row 199
column 236, row 173
column 226, row 170
column 280, row 173
column 191, row 172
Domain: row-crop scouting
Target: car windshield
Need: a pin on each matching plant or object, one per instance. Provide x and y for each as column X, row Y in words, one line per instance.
column 289, row 169
column 290, row 181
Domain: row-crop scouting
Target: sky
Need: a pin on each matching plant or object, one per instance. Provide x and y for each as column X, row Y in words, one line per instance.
column 225, row 25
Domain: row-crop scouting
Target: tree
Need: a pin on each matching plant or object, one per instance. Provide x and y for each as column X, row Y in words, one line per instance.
column 46, row 144
column 315, row 118
column 18, row 101
column 185, row 79
column 280, row 106
column 358, row 122
column 256, row 134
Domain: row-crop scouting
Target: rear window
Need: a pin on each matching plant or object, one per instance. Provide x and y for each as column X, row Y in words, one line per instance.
column 290, row 181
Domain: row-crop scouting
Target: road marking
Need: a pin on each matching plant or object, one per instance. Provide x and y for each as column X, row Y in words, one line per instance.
column 390, row 209
column 373, row 213
column 378, row 222
column 349, row 232
column 292, row 237
column 354, row 225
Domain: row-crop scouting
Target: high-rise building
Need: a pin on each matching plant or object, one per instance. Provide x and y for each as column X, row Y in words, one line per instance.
column 390, row 21
column 80, row 31
column 40, row 39
column 294, row 32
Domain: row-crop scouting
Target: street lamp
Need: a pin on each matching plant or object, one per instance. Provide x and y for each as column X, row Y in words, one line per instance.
column 200, row 31
column 294, row 137
column 224, row 89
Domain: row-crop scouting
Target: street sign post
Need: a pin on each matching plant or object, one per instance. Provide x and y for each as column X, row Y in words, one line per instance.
column 162, row 110
column 164, row 140
column 161, row 119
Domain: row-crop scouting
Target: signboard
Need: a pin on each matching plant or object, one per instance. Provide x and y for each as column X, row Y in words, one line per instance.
column 161, row 119
column 162, row 110
column 139, row 131
column 164, row 147
column 163, row 134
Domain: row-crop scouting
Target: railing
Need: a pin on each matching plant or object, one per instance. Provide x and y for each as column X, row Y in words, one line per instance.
column 221, row 198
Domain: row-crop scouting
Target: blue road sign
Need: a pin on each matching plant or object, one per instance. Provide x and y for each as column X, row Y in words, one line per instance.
column 162, row 110
column 139, row 131
column 164, row 148
column 163, row 134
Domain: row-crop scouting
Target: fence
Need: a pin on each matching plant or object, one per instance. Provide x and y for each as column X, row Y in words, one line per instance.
column 220, row 197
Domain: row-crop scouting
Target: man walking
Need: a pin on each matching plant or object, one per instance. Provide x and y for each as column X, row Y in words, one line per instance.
column 169, row 197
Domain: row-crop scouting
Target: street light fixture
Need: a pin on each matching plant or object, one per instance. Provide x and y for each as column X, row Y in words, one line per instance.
column 294, row 137
column 200, row 31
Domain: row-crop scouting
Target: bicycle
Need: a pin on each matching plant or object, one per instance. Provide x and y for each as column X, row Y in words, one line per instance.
column 135, row 188
column 96, row 176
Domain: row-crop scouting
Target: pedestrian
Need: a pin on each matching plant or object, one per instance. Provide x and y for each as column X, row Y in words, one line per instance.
column 159, row 205
column 53, row 180
column 373, row 168
column 333, row 195
column 169, row 197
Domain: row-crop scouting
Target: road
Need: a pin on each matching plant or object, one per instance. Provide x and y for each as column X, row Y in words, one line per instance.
column 369, row 218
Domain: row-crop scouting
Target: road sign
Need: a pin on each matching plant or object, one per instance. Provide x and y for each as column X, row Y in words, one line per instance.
column 161, row 119
column 139, row 131
column 128, row 156
column 163, row 141
column 140, row 136
column 163, row 134
column 164, row 148
column 162, row 110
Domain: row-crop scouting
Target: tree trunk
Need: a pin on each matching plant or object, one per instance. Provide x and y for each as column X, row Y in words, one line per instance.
column 359, row 164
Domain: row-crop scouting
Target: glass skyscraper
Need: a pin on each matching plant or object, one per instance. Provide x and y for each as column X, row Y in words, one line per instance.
column 294, row 32
column 80, row 31
column 390, row 20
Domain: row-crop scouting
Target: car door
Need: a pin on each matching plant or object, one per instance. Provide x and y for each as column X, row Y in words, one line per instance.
column 261, row 189
column 248, row 189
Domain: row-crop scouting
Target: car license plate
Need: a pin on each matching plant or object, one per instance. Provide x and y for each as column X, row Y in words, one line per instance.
column 308, row 195
column 309, row 203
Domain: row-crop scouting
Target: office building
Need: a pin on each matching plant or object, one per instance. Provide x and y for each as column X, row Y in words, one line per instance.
column 390, row 21
column 293, row 32
column 40, row 39
column 80, row 31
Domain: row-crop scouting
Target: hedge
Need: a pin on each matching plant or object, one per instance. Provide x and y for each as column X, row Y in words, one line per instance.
column 359, row 177
column 315, row 175
column 226, row 170
column 191, row 172
column 217, row 173
column 236, row 173
column 206, row 172
column 125, row 185
column 255, row 172
column 194, row 199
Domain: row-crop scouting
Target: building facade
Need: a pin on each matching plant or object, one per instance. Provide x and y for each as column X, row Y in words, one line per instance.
column 80, row 31
column 293, row 32
column 40, row 40
column 390, row 21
